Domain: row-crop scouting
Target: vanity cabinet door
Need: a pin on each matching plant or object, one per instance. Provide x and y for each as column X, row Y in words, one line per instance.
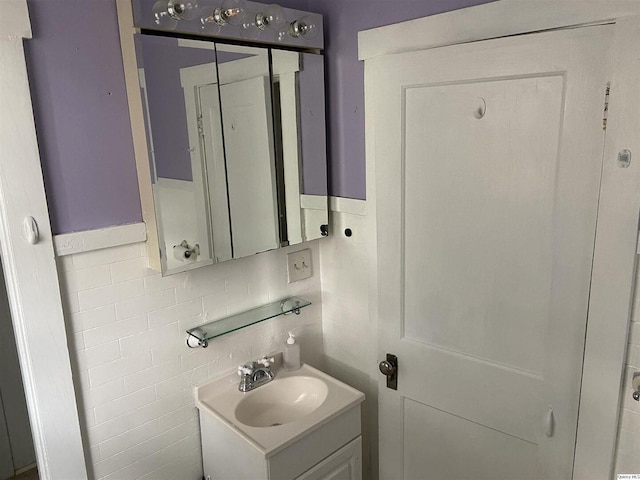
column 345, row 464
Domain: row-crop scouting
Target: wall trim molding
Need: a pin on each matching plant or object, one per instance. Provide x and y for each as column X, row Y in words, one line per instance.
column 353, row 206
column 14, row 21
column 88, row 240
column 30, row 269
column 491, row 20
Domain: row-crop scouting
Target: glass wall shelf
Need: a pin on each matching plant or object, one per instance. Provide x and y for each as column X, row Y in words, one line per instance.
column 200, row 336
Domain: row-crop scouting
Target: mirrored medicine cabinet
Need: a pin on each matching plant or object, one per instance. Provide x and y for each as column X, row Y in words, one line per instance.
column 234, row 136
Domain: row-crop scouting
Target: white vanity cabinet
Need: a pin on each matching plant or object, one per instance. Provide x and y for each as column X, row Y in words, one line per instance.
column 331, row 452
column 321, row 442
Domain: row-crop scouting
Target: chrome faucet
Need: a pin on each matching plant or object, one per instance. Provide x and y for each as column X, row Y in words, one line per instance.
column 255, row 374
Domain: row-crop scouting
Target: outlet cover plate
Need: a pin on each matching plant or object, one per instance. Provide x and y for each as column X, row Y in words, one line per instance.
column 299, row 265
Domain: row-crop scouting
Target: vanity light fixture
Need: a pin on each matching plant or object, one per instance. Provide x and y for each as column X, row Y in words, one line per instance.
column 167, row 14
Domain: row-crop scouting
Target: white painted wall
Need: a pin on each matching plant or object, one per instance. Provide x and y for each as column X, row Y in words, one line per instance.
column 132, row 369
column 349, row 333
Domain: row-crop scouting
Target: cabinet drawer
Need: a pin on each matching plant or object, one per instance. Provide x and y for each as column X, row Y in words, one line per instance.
column 345, row 464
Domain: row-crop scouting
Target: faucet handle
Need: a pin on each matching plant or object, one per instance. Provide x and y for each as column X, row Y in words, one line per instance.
column 266, row 362
column 246, row 369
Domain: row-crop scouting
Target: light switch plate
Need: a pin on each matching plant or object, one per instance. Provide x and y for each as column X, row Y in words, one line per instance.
column 299, row 265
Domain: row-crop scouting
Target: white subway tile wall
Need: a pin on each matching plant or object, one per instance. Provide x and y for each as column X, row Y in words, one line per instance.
column 628, row 451
column 133, row 372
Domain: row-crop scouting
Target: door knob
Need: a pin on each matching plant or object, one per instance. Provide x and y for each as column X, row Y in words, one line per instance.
column 389, row 368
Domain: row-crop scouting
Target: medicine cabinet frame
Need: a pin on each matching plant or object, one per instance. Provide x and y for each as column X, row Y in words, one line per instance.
column 128, row 29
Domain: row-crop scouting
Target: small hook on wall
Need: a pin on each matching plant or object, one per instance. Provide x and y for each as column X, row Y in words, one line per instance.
column 480, row 108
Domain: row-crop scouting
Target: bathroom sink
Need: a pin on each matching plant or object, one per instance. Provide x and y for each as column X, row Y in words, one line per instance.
column 281, row 402
column 275, row 415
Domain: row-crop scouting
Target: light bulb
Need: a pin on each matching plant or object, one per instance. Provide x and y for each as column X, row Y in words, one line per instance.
column 304, row 27
column 161, row 15
column 207, row 14
column 231, row 12
column 234, row 11
column 183, row 9
column 272, row 17
column 249, row 30
column 209, row 25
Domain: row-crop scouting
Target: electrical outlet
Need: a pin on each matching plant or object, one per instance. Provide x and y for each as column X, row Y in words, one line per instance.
column 299, row 265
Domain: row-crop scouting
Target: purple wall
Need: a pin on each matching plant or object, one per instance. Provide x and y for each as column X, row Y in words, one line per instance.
column 343, row 19
column 80, row 104
column 312, row 123
column 82, row 119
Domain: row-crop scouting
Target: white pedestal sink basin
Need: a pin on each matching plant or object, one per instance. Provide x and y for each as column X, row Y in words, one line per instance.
column 277, row 414
column 280, row 402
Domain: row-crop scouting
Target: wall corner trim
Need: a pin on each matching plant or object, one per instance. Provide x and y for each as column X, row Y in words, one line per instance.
column 14, row 21
column 88, row 240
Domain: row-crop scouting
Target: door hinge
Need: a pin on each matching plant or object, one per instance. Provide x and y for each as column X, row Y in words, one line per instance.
column 200, row 128
column 550, row 422
column 605, row 113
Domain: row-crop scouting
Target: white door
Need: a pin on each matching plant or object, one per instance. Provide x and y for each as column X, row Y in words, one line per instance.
column 488, row 162
column 249, row 153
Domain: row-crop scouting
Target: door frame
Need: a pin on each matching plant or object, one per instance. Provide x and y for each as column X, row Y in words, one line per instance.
column 30, row 269
column 614, row 264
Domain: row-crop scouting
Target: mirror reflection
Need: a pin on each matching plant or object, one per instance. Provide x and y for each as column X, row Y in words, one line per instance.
column 237, row 148
column 245, row 96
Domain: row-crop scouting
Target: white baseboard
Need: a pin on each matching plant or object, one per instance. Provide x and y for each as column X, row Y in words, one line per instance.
column 78, row 242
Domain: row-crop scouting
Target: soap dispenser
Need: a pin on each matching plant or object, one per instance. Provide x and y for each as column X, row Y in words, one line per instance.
column 291, row 354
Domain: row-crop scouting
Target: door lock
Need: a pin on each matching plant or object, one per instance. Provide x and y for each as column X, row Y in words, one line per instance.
column 389, row 368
